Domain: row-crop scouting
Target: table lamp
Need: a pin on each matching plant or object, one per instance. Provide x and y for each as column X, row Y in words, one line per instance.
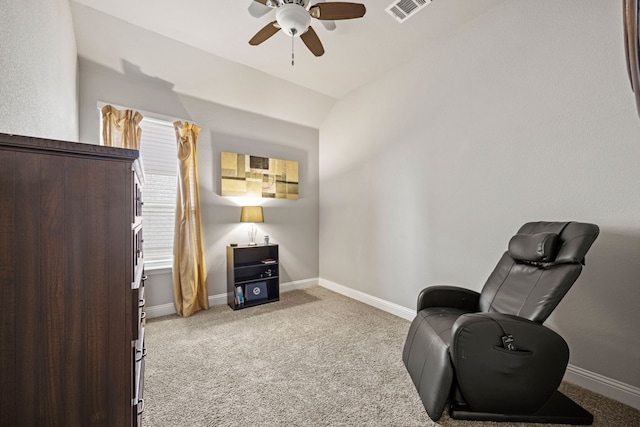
column 251, row 215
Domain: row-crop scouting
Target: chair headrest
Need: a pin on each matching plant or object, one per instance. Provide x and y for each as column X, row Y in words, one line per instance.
column 572, row 241
column 534, row 248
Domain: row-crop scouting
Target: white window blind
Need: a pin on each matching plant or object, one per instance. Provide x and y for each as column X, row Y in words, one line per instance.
column 159, row 157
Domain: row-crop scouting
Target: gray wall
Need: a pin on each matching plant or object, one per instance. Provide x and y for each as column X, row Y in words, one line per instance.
column 524, row 114
column 291, row 223
column 38, row 69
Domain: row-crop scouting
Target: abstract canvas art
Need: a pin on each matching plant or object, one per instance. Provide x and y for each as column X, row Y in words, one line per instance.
column 253, row 176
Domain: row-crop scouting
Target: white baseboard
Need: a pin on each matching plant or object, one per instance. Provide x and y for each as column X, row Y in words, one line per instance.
column 298, row 284
column 221, row 299
column 159, row 310
column 389, row 307
column 614, row 389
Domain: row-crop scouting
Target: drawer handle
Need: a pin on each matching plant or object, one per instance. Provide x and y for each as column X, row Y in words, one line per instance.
column 141, row 354
column 141, row 302
column 140, row 406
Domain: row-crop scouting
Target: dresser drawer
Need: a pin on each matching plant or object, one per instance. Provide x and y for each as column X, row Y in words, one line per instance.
column 139, row 350
column 138, row 304
column 136, row 214
column 138, row 401
column 137, row 243
column 139, row 355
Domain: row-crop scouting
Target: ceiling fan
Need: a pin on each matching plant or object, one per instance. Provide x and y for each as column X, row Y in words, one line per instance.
column 294, row 18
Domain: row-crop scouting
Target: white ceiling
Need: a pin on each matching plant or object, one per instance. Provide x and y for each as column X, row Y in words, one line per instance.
column 356, row 52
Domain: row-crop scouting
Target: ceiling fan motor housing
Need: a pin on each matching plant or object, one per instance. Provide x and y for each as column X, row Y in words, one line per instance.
column 278, row 3
column 293, row 18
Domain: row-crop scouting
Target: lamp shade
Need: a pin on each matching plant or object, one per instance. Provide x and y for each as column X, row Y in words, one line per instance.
column 251, row 214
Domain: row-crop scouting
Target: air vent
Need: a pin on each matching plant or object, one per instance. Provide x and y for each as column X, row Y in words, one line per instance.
column 402, row 10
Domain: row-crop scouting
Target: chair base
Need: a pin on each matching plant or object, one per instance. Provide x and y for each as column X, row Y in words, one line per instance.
column 559, row 410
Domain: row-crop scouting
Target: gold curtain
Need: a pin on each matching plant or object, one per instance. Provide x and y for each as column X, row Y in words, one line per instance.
column 120, row 128
column 189, row 270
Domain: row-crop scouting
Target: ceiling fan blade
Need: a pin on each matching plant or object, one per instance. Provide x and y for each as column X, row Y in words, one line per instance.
column 328, row 25
column 312, row 41
column 337, row 10
column 258, row 9
column 266, row 32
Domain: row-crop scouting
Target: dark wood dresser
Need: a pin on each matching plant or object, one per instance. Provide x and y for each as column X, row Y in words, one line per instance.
column 71, row 284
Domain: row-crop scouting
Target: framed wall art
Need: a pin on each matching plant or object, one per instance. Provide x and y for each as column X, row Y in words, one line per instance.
column 254, row 176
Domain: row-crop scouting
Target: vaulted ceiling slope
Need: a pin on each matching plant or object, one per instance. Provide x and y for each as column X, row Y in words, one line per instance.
column 224, row 68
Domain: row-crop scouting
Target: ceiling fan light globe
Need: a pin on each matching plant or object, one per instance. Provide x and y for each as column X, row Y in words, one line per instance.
column 293, row 19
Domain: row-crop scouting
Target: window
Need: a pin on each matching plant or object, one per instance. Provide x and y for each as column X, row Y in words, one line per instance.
column 159, row 157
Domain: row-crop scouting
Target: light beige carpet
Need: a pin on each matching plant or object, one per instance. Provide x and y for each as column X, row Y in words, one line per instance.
column 314, row 358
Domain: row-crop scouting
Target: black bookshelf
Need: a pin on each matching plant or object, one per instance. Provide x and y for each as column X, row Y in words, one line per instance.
column 252, row 275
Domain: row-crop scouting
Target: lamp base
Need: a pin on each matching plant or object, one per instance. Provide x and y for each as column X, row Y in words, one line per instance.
column 253, row 230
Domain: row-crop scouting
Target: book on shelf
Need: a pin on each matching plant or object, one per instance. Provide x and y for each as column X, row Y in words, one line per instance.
column 239, row 295
column 268, row 261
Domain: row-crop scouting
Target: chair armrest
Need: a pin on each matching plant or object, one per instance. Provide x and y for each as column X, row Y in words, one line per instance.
column 448, row 296
column 494, row 379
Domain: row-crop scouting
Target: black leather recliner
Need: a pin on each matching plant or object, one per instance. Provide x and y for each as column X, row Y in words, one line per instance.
column 488, row 354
